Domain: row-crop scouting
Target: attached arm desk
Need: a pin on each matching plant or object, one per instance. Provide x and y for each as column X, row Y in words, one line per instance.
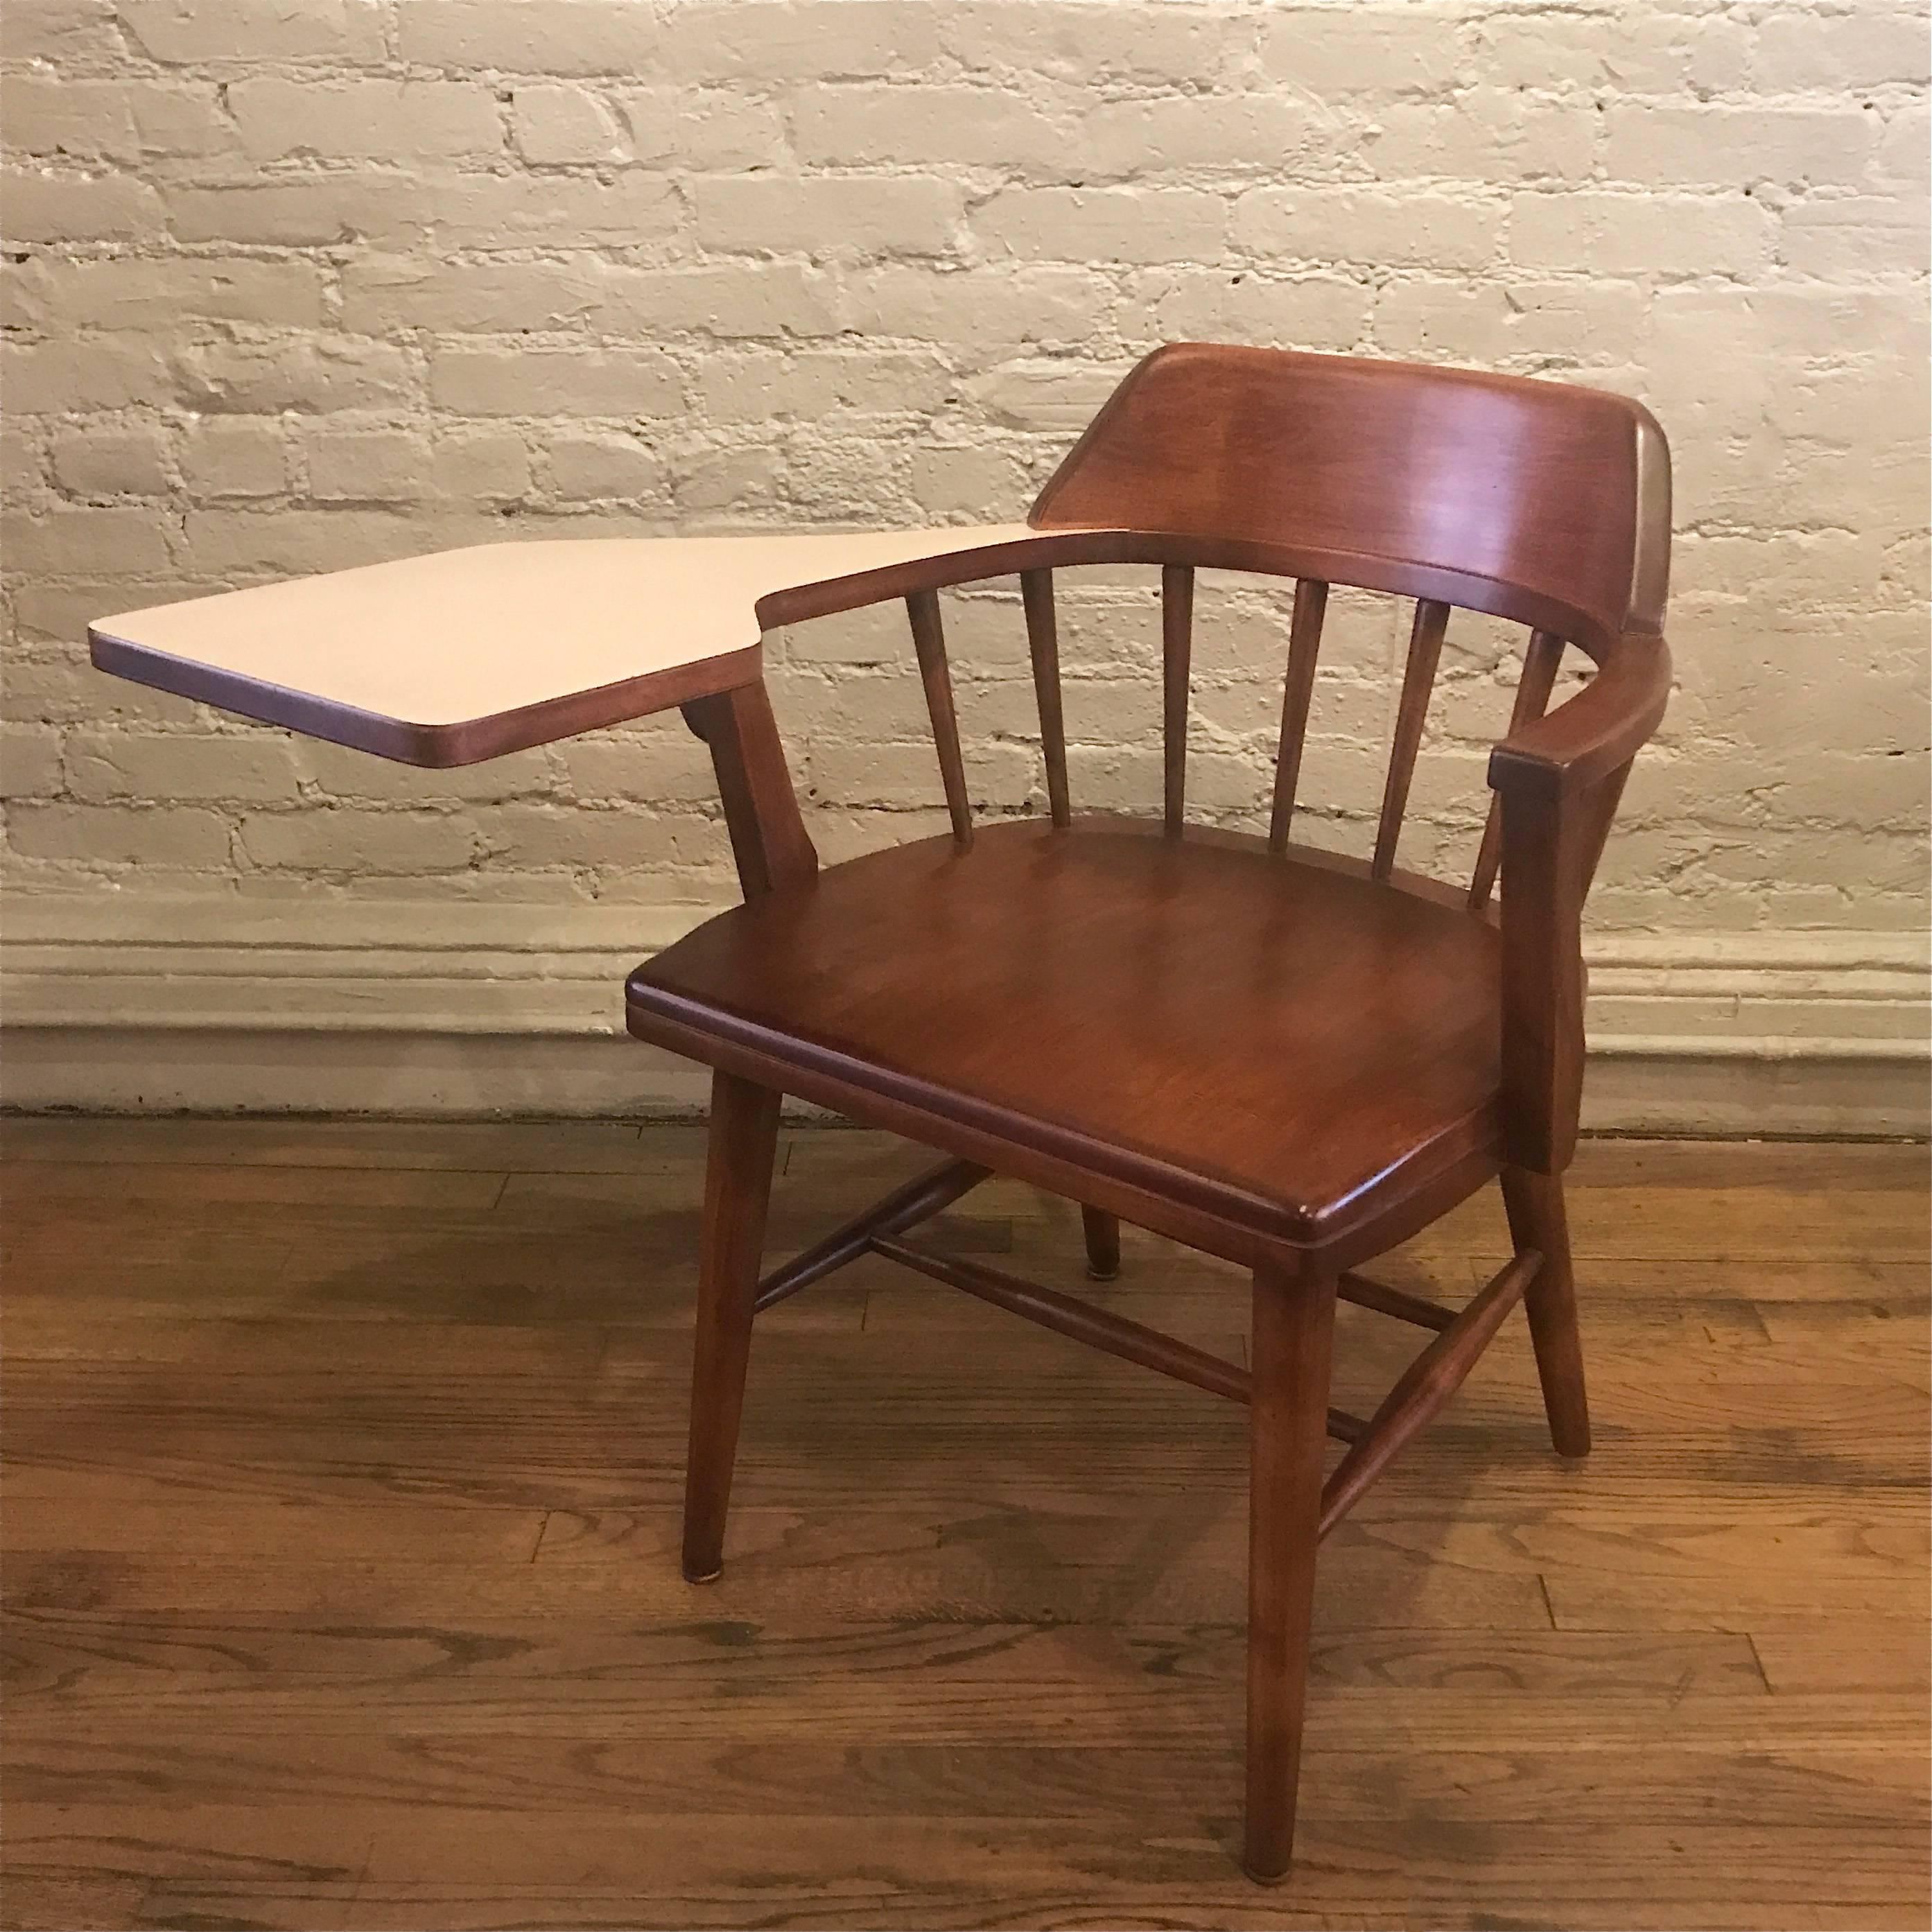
column 461, row 656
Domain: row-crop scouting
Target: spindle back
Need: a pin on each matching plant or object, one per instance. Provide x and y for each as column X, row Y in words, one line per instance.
column 1537, row 502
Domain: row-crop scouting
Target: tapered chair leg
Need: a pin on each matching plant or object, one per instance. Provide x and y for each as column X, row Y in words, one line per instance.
column 1288, row 1420
column 1537, row 1220
column 737, row 1186
column 1102, row 1231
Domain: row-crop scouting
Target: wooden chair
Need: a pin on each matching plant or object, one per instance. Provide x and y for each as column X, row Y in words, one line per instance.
column 1272, row 1054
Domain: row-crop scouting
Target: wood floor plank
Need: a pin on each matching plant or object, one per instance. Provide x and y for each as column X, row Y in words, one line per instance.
column 64, row 1660
column 1007, row 1564
column 114, row 1254
column 1885, row 1335
column 1623, row 1160
column 249, row 1843
column 1743, row 1910
column 1606, row 1601
column 1715, row 1224
column 75, row 1186
column 760, row 1899
column 812, row 1870
column 620, row 1147
column 280, row 1905
column 208, row 1530
column 1821, row 1654
column 1606, row 1284
column 1886, row 1541
column 1359, row 1775
column 285, row 1349
column 1029, row 1409
column 887, row 1571
column 106, row 1903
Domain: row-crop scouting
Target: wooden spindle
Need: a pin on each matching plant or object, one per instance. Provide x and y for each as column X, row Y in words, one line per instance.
column 1043, row 643
column 1304, row 641
column 1065, row 1316
column 1424, row 1386
column 919, row 1200
column 1425, row 650
column 1095, row 1327
column 1176, row 646
column 1532, row 699
column 928, row 640
column 1366, row 1293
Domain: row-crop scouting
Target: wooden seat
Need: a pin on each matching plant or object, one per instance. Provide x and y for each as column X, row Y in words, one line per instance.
column 1286, row 1047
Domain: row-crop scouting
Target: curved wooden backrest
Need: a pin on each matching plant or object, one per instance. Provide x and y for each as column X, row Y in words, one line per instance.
column 1538, row 501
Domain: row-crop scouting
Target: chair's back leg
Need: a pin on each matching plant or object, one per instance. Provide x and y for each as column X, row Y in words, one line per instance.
column 1102, row 1231
column 737, row 1185
column 1537, row 1219
column 1287, row 1428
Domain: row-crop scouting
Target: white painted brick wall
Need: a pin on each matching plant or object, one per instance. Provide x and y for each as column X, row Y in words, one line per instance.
column 296, row 284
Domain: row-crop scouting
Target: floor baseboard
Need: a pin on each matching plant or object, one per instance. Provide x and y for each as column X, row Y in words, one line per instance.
column 458, row 1012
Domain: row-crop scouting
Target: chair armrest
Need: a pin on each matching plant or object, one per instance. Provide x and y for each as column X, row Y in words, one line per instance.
column 1560, row 778
column 1576, row 747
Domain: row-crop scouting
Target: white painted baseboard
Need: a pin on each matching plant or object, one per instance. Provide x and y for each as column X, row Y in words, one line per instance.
column 430, row 1009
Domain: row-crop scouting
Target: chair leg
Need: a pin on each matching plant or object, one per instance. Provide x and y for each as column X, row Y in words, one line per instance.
column 1537, row 1219
column 1102, row 1231
column 737, row 1184
column 1288, row 1421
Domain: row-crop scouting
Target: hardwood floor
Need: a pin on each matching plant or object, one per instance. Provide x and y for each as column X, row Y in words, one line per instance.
column 341, row 1525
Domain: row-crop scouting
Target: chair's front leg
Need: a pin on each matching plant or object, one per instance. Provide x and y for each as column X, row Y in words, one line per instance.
column 737, row 1185
column 1288, row 1422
